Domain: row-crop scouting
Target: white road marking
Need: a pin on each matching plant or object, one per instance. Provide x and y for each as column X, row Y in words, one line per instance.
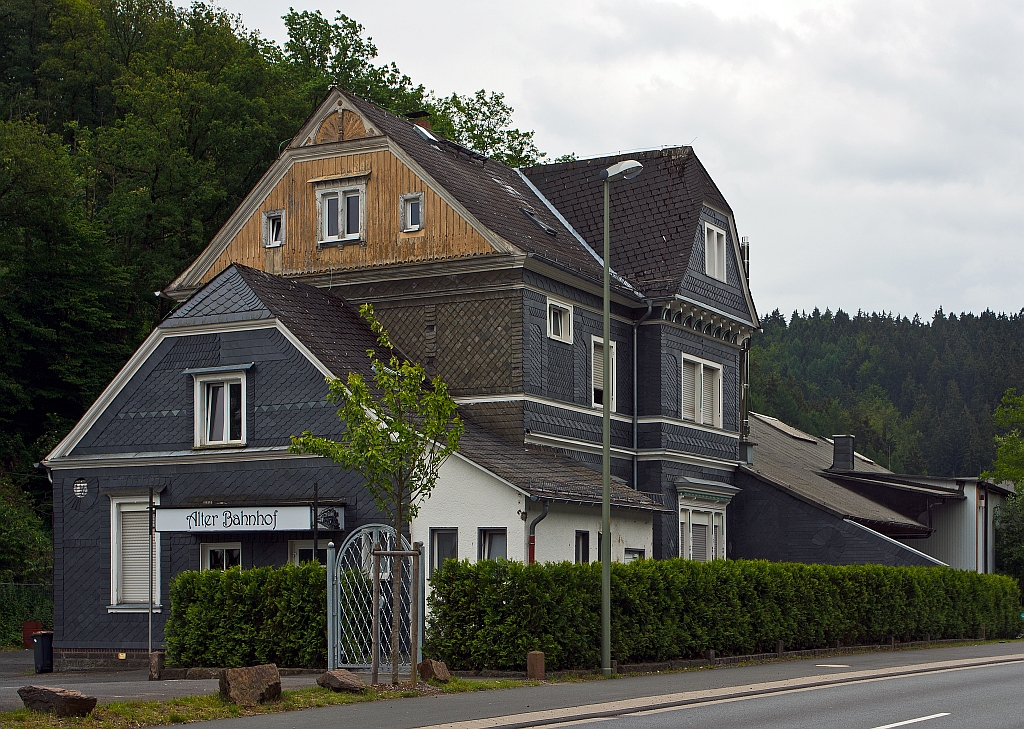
column 831, row 665
column 911, row 721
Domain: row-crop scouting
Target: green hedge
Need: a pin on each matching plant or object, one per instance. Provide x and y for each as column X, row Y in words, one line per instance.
column 23, row 602
column 490, row 614
column 247, row 617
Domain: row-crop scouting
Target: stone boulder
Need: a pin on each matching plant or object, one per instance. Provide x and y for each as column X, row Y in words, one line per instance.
column 62, row 702
column 341, row 680
column 250, row 686
column 431, row 669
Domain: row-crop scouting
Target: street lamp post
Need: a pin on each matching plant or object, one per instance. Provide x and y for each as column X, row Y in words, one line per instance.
column 626, row 170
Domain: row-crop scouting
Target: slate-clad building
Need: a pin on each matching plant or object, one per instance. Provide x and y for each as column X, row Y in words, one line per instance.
column 808, row 499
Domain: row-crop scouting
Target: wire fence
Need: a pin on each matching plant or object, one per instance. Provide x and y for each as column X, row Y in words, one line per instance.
column 21, row 602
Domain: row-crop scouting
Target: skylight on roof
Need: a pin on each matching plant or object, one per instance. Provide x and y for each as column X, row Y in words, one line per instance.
column 540, row 223
column 786, row 428
column 425, row 134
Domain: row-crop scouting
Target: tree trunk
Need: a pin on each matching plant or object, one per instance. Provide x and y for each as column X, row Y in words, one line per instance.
column 396, row 595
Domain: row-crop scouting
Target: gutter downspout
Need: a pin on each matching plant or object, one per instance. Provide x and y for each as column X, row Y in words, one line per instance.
column 533, row 530
column 636, row 404
column 985, row 538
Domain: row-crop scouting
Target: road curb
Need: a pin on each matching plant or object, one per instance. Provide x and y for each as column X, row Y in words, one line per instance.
column 676, row 700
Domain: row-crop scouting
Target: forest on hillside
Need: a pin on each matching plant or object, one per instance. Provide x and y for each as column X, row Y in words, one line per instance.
column 129, row 131
column 919, row 395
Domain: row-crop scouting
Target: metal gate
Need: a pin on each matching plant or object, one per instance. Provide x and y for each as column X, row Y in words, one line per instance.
column 350, row 600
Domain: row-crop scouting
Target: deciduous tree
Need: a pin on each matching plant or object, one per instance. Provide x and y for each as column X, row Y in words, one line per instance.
column 398, row 432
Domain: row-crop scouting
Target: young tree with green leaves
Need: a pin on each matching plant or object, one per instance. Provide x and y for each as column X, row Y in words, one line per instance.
column 1009, row 466
column 398, row 432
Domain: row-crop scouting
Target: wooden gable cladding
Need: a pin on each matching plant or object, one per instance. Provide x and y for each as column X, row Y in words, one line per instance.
column 445, row 233
column 339, row 126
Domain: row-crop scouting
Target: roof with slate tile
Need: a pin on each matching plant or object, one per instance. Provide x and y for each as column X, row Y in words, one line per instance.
column 493, row 193
column 792, row 460
column 334, row 332
column 654, row 224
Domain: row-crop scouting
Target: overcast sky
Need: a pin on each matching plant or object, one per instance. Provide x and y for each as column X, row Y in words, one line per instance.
column 871, row 149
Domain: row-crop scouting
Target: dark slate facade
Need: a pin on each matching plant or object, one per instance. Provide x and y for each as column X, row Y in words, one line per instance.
column 143, row 438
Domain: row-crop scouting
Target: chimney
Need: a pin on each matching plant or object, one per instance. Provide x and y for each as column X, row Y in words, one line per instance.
column 842, row 453
column 745, row 252
column 420, row 119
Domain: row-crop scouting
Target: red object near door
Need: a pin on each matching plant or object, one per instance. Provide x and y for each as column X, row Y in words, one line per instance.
column 27, row 629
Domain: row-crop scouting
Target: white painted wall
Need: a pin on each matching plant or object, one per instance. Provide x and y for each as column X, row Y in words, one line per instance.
column 959, row 536
column 469, row 499
column 556, row 534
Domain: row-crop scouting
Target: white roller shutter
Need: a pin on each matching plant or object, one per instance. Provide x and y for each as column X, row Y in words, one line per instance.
column 700, row 542
column 690, row 380
column 133, row 554
column 598, row 366
column 707, row 399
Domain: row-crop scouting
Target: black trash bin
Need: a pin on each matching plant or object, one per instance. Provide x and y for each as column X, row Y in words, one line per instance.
column 42, row 644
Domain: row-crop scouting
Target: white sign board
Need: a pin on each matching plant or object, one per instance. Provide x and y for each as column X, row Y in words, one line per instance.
column 235, row 519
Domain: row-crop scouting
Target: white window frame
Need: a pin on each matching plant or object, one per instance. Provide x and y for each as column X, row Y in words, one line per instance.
column 404, row 212
column 342, row 191
column 268, row 218
column 432, row 564
column 294, row 545
column 567, row 309
column 614, row 373
column 482, row 533
column 631, row 554
column 204, row 552
column 715, row 541
column 119, row 505
column 200, row 432
column 715, row 245
column 701, row 377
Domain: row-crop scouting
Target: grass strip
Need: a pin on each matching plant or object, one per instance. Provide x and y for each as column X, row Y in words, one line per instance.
column 131, row 714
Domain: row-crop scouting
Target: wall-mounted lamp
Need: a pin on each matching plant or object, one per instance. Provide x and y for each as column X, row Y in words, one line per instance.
column 81, row 488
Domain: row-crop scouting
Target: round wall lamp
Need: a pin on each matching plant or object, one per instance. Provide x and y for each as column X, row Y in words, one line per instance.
column 81, row 488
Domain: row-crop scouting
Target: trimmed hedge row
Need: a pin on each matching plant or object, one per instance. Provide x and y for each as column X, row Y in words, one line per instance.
column 490, row 614
column 239, row 617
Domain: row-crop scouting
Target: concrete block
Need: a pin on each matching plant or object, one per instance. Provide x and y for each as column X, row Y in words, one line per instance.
column 535, row 665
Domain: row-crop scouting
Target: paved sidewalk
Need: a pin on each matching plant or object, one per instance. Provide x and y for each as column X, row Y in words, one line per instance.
column 17, row 669
column 409, row 713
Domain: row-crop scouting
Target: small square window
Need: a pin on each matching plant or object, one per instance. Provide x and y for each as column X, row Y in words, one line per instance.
column 341, row 215
column 714, row 252
column 601, row 384
column 220, row 410
column 412, row 212
column 560, row 321
column 582, row 547
column 493, row 544
column 220, row 556
column 444, row 544
column 631, row 555
column 301, row 551
column 273, row 229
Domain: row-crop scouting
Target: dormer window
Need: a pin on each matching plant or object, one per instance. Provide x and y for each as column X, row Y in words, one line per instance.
column 273, row 229
column 220, row 410
column 560, row 321
column 341, row 215
column 412, row 212
column 714, row 252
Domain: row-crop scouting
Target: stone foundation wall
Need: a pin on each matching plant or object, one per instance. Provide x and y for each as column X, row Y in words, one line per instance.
column 91, row 659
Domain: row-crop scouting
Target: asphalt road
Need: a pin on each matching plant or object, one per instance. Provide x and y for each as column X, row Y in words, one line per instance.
column 857, row 702
column 989, row 697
